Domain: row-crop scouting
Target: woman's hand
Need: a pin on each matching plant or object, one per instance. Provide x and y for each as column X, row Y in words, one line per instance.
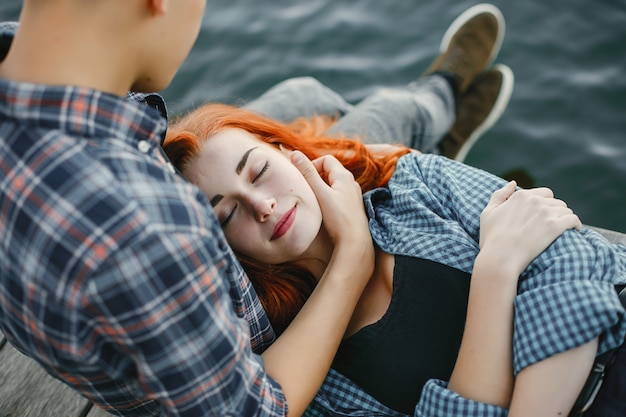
column 339, row 196
column 517, row 226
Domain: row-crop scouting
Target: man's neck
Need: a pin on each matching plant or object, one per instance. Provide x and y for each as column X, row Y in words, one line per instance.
column 57, row 54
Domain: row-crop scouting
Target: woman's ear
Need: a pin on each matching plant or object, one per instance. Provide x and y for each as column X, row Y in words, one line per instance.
column 284, row 149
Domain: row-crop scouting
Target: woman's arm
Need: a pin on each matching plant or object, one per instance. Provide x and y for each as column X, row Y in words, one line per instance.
column 550, row 387
column 301, row 357
column 515, row 228
column 564, row 299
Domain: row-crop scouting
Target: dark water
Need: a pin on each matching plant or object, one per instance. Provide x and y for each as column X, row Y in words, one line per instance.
column 565, row 125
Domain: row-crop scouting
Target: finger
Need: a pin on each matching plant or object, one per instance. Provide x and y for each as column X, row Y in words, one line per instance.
column 578, row 224
column 540, row 191
column 307, row 169
column 568, row 218
column 568, row 221
column 549, row 202
column 501, row 195
column 553, row 202
column 332, row 170
column 559, row 218
column 574, row 221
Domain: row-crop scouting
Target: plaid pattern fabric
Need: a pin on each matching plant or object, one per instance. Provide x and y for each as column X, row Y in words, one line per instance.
column 566, row 297
column 339, row 396
column 114, row 273
column 431, row 209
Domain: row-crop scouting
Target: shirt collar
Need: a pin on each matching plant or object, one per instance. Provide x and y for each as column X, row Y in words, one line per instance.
column 80, row 111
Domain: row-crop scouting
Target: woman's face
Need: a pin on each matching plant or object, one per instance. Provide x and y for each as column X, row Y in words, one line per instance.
column 265, row 206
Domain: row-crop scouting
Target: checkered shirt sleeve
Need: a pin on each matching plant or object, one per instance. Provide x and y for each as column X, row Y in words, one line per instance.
column 339, row 396
column 114, row 273
column 566, row 297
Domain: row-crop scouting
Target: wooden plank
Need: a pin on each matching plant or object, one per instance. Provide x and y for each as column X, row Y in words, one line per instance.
column 96, row 412
column 27, row 390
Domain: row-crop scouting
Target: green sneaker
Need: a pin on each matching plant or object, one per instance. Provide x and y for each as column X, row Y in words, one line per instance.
column 477, row 110
column 470, row 45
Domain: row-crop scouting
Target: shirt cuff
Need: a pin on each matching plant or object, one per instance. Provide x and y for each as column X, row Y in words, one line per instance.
column 560, row 317
column 438, row 401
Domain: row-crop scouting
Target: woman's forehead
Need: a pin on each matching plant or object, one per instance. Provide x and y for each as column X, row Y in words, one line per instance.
column 233, row 136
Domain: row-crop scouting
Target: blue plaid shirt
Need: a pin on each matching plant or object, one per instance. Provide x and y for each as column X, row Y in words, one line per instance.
column 114, row 273
column 431, row 209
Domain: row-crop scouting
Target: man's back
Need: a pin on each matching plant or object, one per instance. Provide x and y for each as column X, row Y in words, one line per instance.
column 98, row 250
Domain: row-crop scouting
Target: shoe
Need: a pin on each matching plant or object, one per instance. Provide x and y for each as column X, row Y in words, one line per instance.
column 477, row 110
column 470, row 45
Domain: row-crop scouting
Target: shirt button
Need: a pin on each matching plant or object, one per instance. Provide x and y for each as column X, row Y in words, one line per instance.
column 143, row 146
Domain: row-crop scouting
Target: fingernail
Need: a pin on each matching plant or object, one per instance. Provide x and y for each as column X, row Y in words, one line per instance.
column 297, row 157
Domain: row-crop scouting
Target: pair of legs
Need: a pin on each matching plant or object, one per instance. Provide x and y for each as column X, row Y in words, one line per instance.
column 444, row 111
column 417, row 116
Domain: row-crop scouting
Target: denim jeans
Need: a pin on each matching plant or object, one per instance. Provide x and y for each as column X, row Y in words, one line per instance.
column 417, row 116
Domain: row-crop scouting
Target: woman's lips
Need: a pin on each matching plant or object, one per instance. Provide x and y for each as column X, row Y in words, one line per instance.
column 284, row 224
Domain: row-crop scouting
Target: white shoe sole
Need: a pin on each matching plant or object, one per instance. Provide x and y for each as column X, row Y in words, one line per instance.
column 502, row 101
column 467, row 15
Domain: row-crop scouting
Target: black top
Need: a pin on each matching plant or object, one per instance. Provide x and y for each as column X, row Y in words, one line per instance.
column 417, row 339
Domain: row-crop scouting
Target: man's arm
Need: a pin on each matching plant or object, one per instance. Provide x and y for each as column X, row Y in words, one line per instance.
column 302, row 355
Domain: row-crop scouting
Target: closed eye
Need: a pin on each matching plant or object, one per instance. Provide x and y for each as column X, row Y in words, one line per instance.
column 228, row 218
column 261, row 172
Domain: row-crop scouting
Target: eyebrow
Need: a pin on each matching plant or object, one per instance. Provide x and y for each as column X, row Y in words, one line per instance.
column 244, row 159
column 240, row 166
column 216, row 200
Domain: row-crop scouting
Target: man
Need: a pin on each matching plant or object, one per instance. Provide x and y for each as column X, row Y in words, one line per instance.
column 114, row 274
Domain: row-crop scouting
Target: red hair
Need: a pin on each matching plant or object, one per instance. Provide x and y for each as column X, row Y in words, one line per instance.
column 283, row 289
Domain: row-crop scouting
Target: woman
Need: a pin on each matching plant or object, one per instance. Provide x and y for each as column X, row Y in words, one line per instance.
column 248, row 181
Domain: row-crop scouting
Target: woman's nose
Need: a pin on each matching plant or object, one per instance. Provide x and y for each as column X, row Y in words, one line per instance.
column 262, row 207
